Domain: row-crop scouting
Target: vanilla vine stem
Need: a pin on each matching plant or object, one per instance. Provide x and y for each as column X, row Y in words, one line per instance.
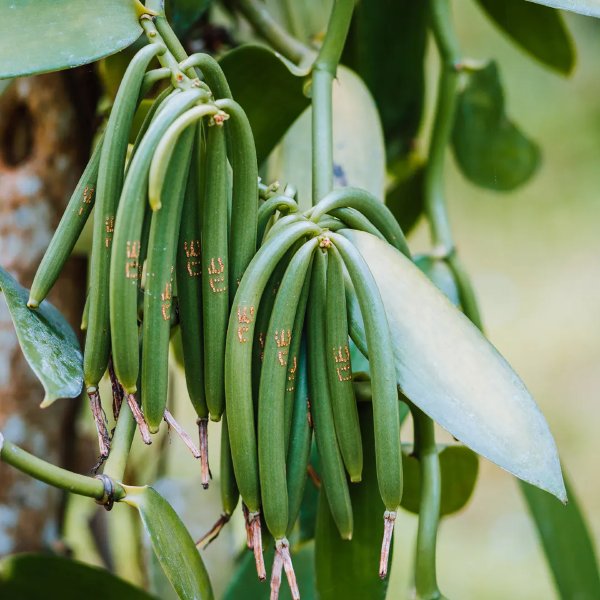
column 323, row 73
column 51, row 474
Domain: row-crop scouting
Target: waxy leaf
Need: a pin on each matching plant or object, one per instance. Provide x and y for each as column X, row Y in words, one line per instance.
column 454, row 374
column 48, row 35
column 567, row 542
column 183, row 14
column 36, row 576
column 269, row 89
column 458, row 467
column 393, row 70
column 490, row 150
column 590, row 8
column 348, row 569
column 47, row 340
column 539, row 30
column 405, row 196
column 440, row 274
column 172, row 544
column 358, row 147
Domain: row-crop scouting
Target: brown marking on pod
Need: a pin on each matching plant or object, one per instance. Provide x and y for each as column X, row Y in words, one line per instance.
column 192, row 252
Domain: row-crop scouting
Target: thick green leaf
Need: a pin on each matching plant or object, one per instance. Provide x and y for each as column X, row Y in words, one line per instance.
column 244, row 583
column 440, row 274
column 567, row 543
column 405, row 197
column 459, row 467
column 268, row 89
column 591, row 8
column 48, row 35
column 490, row 150
column 183, row 14
column 358, row 147
column 386, row 47
column 171, row 543
column 349, row 569
column 48, row 342
column 539, row 30
column 306, row 20
column 454, row 374
column 45, row 576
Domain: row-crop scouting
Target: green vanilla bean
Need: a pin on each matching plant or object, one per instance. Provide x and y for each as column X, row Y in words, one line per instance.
column 51, row 474
column 324, row 70
column 429, row 508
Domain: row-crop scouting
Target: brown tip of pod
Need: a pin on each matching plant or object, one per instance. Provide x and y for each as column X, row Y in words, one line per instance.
column 389, row 520
column 139, row 418
column 282, row 548
column 254, row 525
column 204, row 466
column 276, row 575
column 213, row 533
column 249, row 540
column 100, row 421
column 180, row 431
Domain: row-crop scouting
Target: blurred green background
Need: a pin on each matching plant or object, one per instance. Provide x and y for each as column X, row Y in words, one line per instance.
column 534, row 256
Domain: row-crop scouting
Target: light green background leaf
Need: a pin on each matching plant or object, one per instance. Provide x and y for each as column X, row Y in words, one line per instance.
column 489, row 149
column 47, row 340
column 358, row 147
column 567, row 543
column 454, row 374
column 459, row 467
column 539, row 30
column 48, row 35
column 172, row 544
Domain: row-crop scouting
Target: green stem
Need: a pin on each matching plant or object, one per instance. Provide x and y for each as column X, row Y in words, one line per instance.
column 435, row 204
column 121, row 444
column 259, row 17
column 466, row 294
column 53, row 475
column 429, row 508
column 324, row 71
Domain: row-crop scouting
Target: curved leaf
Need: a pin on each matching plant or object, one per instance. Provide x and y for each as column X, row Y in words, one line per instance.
column 269, row 89
column 358, row 147
column 183, row 14
column 539, row 30
column 405, row 196
column 458, row 466
column 36, row 576
column 567, row 543
column 348, row 569
column 440, row 274
column 48, row 342
column 172, row 544
column 454, row 374
column 590, row 8
column 393, row 70
column 49, row 35
column 490, row 150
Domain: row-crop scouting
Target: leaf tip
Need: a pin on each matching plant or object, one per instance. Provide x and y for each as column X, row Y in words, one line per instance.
column 47, row 401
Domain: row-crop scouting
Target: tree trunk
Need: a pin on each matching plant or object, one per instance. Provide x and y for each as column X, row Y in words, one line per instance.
column 40, row 162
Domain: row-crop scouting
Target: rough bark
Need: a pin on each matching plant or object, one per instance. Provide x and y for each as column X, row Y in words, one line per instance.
column 40, row 162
